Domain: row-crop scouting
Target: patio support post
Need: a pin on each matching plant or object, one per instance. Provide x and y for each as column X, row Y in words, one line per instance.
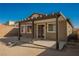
column 57, row 42
column 19, row 31
column 32, row 29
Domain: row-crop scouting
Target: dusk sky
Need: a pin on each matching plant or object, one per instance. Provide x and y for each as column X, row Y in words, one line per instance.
column 20, row 11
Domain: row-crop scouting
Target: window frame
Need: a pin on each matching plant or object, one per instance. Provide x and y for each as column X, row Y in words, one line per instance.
column 23, row 29
column 27, row 27
column 54, row 31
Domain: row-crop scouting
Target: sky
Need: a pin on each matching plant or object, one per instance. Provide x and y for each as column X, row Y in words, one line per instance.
column 19, row 11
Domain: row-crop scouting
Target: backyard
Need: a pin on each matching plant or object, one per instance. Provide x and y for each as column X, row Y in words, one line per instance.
column 37, row 48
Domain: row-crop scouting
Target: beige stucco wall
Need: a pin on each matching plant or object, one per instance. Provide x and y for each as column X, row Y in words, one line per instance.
column 26, row 35
column 62, row 28
column 69, row 29
column 65, row 29
column 51, row 36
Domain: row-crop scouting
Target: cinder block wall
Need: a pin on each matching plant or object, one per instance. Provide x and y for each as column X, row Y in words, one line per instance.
column 6, row 31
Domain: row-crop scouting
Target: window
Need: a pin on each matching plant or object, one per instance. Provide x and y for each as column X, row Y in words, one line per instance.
column 26, row 29
column 29, row 29
column 23, row 29
column 51, row 27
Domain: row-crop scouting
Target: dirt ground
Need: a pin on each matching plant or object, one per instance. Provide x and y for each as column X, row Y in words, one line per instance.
column 37, row 50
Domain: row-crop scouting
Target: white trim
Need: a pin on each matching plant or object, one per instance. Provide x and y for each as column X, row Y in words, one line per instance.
column 51, row 31
column 23, row 28
column 63, row 15
column 23, row 25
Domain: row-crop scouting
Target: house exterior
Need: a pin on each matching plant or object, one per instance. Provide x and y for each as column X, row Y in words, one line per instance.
column 43, row 26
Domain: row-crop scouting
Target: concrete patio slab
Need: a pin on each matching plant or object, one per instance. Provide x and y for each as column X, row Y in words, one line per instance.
column 25, row 49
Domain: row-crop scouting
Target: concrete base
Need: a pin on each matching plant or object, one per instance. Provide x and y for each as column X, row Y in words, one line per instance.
column 61, row 45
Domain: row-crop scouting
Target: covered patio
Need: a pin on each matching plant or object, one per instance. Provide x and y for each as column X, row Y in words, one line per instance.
column 27, row 42
column 57, row 44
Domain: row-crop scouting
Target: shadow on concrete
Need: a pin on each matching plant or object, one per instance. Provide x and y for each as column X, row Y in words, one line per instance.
column 6, row 40
column 69, row 50
column 38, row 46
column 21, row 43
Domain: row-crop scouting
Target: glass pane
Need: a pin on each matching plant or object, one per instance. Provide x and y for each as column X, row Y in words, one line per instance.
column 54, row 27
column 50, row 27
column 29, row 29
column 23, row 29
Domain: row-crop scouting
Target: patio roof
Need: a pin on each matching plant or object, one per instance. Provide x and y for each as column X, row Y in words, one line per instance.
column 41, row 16
column 45, row 16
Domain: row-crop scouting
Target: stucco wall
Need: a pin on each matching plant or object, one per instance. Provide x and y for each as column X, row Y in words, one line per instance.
column 62, row 28
column 65, row 29
column 26, row 35
column 69, row 29
column 49, row 36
